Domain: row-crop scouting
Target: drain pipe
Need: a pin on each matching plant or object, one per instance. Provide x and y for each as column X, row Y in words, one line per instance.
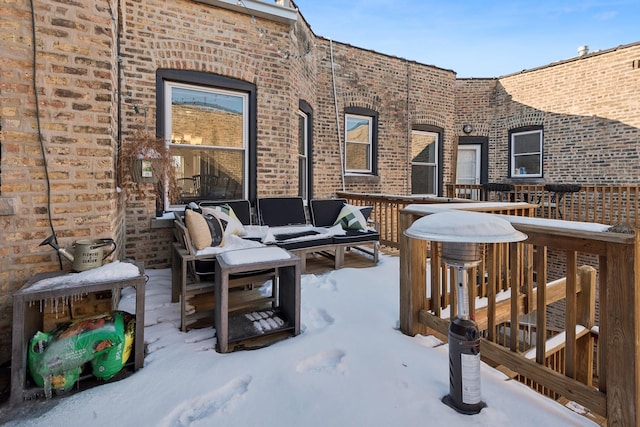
column 335, row 102
column 407, row 182
column 116, row 27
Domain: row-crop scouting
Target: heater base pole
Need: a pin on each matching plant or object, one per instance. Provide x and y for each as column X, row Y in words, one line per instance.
column 464, row 367
column 448, row 400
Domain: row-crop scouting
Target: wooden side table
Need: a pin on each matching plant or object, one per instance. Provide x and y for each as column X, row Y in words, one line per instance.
column 27, row 320
column 285, row 314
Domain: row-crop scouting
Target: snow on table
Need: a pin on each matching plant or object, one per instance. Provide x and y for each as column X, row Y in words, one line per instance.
column 255, row 255
column 109, row 272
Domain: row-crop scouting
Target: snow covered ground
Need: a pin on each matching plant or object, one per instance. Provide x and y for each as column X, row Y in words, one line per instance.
column 350, row 366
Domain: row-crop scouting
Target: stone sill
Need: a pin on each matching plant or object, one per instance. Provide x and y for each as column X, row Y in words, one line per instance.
column 361, row 179
column 157, row 223
column 8, row 205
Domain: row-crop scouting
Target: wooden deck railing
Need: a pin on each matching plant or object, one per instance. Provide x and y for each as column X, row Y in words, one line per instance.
column 602, row 204
column 386, row 210
column 508, row 282
column 606, row 204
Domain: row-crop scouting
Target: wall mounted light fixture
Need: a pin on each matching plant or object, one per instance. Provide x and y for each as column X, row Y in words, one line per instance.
column 467, row 128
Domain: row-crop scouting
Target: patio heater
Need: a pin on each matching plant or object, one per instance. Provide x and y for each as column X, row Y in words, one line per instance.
column 461, row 233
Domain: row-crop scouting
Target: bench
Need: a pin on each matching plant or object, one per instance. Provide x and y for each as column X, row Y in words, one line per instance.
column 287, row 219
column 193, row 281
column 324, row 213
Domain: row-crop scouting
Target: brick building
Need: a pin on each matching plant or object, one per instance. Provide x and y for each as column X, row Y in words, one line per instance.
column 80, row 79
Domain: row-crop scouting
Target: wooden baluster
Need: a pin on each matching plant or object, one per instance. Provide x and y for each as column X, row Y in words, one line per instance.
column 570, row 315
column 541, row 301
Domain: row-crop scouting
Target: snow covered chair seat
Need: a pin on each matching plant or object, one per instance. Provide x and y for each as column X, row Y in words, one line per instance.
column 287, row 221
column 193, row 268
column 360, row 231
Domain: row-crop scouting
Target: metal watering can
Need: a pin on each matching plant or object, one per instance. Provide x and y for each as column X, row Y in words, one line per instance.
column 87, row 253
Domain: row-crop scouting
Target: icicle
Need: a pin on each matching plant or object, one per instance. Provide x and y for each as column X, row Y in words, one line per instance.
column 47, row 386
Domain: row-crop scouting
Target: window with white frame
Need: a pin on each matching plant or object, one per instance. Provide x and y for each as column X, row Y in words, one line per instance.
column 526, row 153
column 360, row 141
column 425, row 147
column 207, row 126
column 303, row 159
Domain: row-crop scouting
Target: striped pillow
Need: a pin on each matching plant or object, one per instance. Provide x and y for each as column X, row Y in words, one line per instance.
column 351, row 218
column 228, row 217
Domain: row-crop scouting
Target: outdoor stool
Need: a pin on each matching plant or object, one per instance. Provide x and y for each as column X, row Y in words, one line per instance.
column 272, row 317
column 557, row 193
column 503, row 192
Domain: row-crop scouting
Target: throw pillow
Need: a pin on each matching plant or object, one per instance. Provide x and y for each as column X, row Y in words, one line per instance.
column 230, row 222
column 216, row 230
column 198, row 229
column 351, row 218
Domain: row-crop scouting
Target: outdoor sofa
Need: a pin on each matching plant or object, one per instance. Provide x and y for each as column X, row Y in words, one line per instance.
column 327, row 233
column 280, row 221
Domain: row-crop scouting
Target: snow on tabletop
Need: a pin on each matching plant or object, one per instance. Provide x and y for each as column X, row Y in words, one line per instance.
column 113, row 271
column 514, row 219
column 231, row 243
column 250, row 256
column 437, row 207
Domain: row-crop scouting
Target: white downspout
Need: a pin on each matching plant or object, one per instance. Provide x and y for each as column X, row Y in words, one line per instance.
column 335, row 102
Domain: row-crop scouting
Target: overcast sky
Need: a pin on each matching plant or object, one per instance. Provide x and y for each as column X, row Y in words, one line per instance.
column 476, row 38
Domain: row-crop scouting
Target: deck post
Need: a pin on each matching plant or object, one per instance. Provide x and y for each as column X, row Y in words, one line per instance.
column 623, row 333
column 413, row 278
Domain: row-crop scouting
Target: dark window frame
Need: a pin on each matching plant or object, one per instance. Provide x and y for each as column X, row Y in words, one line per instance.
column 519, row 130
column 217, row 82
column 483, row 142
column 306, row 109
column 440, row 149
column 374, row 115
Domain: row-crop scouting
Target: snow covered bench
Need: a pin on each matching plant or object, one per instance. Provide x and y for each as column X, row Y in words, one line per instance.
column 335, row 227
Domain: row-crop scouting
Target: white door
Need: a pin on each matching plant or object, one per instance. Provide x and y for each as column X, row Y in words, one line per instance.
column 468, row 169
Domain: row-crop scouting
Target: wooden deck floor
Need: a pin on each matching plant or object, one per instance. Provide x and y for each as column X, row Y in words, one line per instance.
column 318, row 264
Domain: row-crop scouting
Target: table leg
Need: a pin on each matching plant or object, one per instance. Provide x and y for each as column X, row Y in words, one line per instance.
column 222, row 309
column 18, row 353
column 139, row 331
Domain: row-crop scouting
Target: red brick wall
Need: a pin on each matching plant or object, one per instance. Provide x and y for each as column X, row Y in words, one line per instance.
column 76, row 85
column 587, row 106
column 403, row 93
column 287, row 65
